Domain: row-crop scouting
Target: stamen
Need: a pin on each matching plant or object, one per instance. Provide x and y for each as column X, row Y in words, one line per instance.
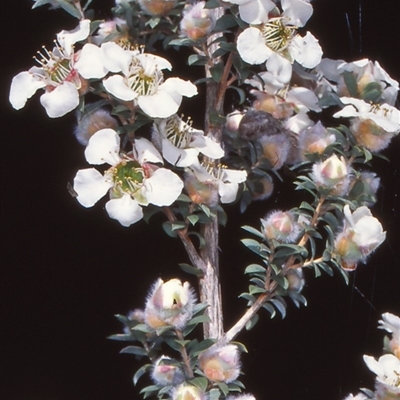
column 277, row 35
column 178, row 132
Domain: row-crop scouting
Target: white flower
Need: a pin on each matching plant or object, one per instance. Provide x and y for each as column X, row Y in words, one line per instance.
column 359, row 396
column 132, row 181
column 254, row 11
column 387, row 371
column 181, row 144
column 142, row 81
column 383, row 115
column 57, row 74
column 391, row 324
column 227, row 180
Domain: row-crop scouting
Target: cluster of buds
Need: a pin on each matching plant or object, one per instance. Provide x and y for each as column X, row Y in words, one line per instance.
column 169, row 304
column 361, row 235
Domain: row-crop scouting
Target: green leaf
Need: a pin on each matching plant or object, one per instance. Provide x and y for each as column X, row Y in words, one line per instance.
column 140, row 372
column 214, row 393
column 255, row 269
column 256, row 247
column 250, row 324
column 201, row 347
column 153, row 22
column 351, row 83
column 240, row 92
column 279, row 306
column 189, row 269
column 256, row 289
column 227, row 21
column 197, row 59
column 121, row 337
column 182, row 42
column 212, row 4
column 216, row 71
column 270, row 309
column 254, row 231
column 139, row 351
column 200, row 382
column 223, row 387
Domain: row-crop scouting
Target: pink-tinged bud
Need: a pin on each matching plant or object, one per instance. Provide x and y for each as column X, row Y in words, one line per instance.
column 221, row 364
column 361, row 235
column 332, row 174
column 281, row 226
column 296, row 281
column 241, row 397
column 263, row 188
column 197, row 21
column 188, row 392
column 233, row 120
column 91, row 122
column 275, row 149
column 114, row 30
column 315, row 139
column 166, row 373
column 201, row 192
column 157, row 7
column 169, row 304
column 370, row 135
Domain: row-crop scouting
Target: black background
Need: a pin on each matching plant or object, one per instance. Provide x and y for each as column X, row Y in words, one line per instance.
column 67, row 270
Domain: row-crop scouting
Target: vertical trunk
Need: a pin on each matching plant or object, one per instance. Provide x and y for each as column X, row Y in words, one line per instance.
column 210, row 287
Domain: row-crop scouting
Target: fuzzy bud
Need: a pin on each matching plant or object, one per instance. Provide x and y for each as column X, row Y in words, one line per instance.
column 296, row 281
column 275, row 149
column 332, row 174
column 221, row 364
column 166, row 373
column 370, row 135
column 157, row 7
column 241, row 397
column 169, row 304
column 197, row 21
column 281, row 226
column 188, row 392
column 91, row 122
column 201, row 192
column 315, row 139
column 263, row 188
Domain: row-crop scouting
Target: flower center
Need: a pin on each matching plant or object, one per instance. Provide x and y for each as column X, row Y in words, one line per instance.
column 144, row 84
column 277, row 35
column 127, row 177
column 56, row 64
column 178, row 132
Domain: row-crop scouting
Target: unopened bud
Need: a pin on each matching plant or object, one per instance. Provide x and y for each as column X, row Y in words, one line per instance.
column 332, row 175
column 233, row 120
column 221, row 364
column 165, row 373
column 281, row 226
column 275, row 149
column 263, row 188
column 91, row 122
column 157, row 7
column 188, row 392
column 295, row 278
column 197, row 21
column 370, row 135
column 315, row 139
column 169, row 304
column 201, row 192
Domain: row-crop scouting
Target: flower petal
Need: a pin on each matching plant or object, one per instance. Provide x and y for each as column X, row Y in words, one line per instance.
column 178, row 157
column 163, row 187
column 60, row 101
column 115, row 58
column 91, row 186
column 125, row 210
column 146, row 152
column 150, row 63
column 251, row 46
column 23, row 87
column 90, row 64
column 279, row 67
column 306, row 50
column 254, row 11
column 298, row 11
column 103, row 147
column 208, row 146
column 118, row 88
column 68, row 38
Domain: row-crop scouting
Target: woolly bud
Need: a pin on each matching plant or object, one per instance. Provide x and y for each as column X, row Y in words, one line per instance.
column 296, row 281
column 166, row 373
column 157, row 7
column 91, row 122
column 188, row 392
column 275, row 149
column 263, row 188
column 332, row 174
column 241, row 397
column 281, row 226
column 315, row 139
column 169, row 304
column 197, row 21
column 370, row 135
column 221, row 364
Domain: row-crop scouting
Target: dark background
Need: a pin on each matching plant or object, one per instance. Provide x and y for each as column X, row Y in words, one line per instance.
column 67, row 270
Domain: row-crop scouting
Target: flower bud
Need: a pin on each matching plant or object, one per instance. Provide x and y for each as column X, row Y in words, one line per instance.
column 201, row 192
column 315, row 139
column 197, row 21
column 169, row 304
column 165, row 373
column 370, row 135
column 188, row 392
column 281, row 226
column 296, row 281
column 91, row 122
column 221, row 364
column 241, row 397
column 263, row 188
column 157, row 7
column 332, row 174
column 275, row 149
column 233, row 120
column 391, row 323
